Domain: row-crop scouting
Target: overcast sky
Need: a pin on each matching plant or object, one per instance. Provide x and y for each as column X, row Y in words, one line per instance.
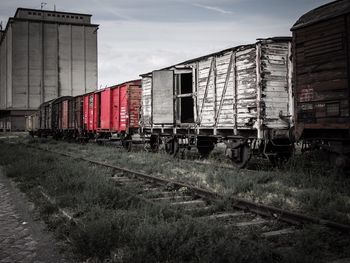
column 138, row 36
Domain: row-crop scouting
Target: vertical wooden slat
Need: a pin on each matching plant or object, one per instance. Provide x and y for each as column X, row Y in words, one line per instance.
column 290, row 84
column 234, row 66
column 206, row 89
column 258, row 91
column 215, row 90
column 228, row 74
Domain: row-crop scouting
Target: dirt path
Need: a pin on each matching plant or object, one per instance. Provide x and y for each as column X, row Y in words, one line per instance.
column 22, row 239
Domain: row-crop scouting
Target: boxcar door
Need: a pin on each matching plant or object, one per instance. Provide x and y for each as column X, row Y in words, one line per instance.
column 163, row 97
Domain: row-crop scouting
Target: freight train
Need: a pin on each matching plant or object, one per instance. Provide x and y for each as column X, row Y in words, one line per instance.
column 257, row 99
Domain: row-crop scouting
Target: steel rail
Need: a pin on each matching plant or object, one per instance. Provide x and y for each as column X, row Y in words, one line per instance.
column 260, row 209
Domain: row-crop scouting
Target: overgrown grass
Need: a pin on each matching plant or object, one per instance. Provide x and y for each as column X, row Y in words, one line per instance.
column 306, row 184
column 111, row 221
column 117, row 226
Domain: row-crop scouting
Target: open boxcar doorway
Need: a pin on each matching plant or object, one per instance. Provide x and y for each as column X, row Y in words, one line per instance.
column 185, row 101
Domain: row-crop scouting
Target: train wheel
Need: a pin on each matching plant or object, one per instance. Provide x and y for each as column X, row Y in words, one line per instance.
column 172, row 147
column 239, row 155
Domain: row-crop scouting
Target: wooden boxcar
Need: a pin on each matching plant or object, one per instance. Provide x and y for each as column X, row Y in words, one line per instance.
column 321, row 76
column 241, row 96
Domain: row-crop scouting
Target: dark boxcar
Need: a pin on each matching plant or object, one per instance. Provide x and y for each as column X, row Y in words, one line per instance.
column 321, row 76
column 51, row 118
column 64, row 117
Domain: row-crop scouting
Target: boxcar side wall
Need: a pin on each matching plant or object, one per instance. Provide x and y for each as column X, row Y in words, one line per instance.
column 322, row 78
column 247, row 89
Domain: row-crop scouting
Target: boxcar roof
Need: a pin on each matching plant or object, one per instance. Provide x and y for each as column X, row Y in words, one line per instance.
column 322, row 13
column 55, row 100
column 135, row 82
column 274, row 39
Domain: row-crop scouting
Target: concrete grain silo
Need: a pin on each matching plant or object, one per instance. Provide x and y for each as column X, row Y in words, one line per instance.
column 44, row 55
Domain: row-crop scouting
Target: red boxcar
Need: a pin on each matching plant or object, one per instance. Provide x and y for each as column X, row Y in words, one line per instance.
column 113, row 110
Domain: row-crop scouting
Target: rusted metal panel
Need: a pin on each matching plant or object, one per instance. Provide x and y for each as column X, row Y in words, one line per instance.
column 134, row 105
column 78, row 113
column 64, row 116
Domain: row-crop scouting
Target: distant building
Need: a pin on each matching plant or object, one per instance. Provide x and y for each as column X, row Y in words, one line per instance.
column 43, row 55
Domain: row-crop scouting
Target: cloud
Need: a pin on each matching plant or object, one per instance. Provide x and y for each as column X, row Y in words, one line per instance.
column 214, row 8
column 143, row 35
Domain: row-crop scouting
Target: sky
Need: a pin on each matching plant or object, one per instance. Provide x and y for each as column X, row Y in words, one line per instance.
column 138, row 36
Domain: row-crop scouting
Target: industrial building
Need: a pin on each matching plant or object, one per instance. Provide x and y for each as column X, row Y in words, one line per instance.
column 43, row 55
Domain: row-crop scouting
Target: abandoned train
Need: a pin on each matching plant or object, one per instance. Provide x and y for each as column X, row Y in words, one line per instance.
column 257, row 99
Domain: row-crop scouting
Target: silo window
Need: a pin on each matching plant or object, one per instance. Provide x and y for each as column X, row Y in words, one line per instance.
column 49, row 14
column 81, row 17
column 29, row 13
column 332, row 109
column 39, row 14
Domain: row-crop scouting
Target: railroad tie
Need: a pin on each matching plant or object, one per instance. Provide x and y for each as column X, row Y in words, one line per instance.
column 169, row 198
column 123, row 179
column 224, row 215
column 251, row 223
column 283, row 231
column 190, row 203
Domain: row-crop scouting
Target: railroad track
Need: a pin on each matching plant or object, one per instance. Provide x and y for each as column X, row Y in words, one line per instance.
column 275, row 225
